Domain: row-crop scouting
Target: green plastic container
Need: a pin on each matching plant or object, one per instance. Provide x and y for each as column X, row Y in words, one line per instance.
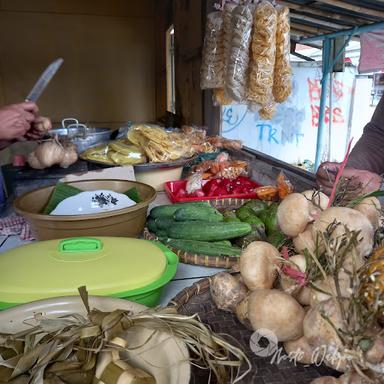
column 127, row 268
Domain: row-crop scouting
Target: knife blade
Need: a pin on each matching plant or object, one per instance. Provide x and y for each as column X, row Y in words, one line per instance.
column 44, row 79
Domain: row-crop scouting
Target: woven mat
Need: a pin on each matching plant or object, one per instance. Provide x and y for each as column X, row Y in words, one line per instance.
column 197, row 299
column 196, row 259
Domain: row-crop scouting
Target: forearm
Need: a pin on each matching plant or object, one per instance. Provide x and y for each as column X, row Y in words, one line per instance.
column 368, row 152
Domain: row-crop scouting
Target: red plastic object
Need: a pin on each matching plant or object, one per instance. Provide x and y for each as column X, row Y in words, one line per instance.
column 172, row 189
column 18, row 160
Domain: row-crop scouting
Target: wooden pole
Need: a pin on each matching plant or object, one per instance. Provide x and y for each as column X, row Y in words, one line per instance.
column 352, row 7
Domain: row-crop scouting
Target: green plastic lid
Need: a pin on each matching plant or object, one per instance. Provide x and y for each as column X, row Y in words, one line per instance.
column 107, row 266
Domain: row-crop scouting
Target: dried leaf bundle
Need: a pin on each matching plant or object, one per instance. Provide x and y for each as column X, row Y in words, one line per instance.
column 68, row 349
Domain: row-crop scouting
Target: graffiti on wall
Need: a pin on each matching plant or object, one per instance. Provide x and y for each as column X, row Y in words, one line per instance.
column 284, row 128
column 339, row 91
column 292, row 133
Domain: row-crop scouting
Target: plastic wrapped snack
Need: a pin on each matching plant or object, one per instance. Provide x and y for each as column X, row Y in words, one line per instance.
column 238, row 60
column 282, row 82
column 267, row 111
column 220, row 97
column 123, row 153
column 158, row 144
column 263, row 54
column 227, row 27
column 98, row 153
column 213, row 60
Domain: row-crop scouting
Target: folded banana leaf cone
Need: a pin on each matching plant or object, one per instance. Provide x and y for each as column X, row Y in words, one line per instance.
column 77, row 349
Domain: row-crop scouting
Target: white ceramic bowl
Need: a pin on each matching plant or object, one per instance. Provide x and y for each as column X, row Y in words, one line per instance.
column 90, row 202
column 164, row 356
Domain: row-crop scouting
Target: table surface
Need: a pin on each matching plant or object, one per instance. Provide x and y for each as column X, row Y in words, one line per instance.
column 186, row 274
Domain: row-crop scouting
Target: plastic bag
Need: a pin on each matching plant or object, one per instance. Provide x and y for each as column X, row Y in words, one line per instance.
column 238, row 60
column 213, row 60
column 284, row 186
column 123, row 153
column 220, row 97
column 282, row 82
column 267, row 111
column 263, row 54
column 158, row 144
column 98, row 153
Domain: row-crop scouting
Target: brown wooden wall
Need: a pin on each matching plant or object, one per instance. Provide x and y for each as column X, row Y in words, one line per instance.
column 114, row 58
column 195, row 105
column 109, row 71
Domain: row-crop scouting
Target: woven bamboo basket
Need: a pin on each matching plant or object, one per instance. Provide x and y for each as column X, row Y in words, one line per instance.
column 205, row 260
column 197, row 299
column 197, row 259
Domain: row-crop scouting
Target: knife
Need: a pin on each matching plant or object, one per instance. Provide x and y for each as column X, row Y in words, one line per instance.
column 44, row 79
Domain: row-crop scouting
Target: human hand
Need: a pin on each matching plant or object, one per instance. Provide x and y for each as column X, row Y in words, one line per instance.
column 16, row 119
column 39, row 127
column 359, row 180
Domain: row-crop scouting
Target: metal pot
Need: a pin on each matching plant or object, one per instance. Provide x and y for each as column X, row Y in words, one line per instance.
column 81, row 135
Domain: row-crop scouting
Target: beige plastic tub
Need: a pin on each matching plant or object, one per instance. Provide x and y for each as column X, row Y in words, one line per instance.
column 127, row 222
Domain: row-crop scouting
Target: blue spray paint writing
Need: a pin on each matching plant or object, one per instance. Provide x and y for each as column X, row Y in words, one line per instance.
column 232, row 119
column 268, row 133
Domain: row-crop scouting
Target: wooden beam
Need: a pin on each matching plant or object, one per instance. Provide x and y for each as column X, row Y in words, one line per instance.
column 308, row 28
column 298, row 34
column 352, row 7
column 329, row 14
column 321, row 22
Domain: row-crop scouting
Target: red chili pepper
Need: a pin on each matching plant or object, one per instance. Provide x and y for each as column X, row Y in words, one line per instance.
column 245, row 181
column 220, row 191
column 199, row 193
column 212, row 191
column 181, row 192
column 213, row 183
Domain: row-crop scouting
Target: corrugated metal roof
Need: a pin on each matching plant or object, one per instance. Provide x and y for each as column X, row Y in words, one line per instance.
column 311, row 18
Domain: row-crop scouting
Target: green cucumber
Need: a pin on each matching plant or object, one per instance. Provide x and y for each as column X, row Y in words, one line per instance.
column 161, row 234
column 257, row 206
column 198, row 213
column 270, row 221
column 170, row 209
column 206, row 231
column 151, row 225
column 222, row 242
column 163, row 223
column 277, row 239
column 230, row 216
column 257, row 234
column 244, row 213
column 203, row 247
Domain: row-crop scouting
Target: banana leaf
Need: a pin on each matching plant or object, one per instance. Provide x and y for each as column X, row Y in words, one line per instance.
column 63, row 191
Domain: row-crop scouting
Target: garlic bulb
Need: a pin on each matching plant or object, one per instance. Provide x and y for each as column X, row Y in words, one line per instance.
column 50, row 153
column 34, row 162
column 70, row 156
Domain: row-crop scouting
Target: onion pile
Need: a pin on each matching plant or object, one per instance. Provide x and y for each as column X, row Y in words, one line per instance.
column 309, row 299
